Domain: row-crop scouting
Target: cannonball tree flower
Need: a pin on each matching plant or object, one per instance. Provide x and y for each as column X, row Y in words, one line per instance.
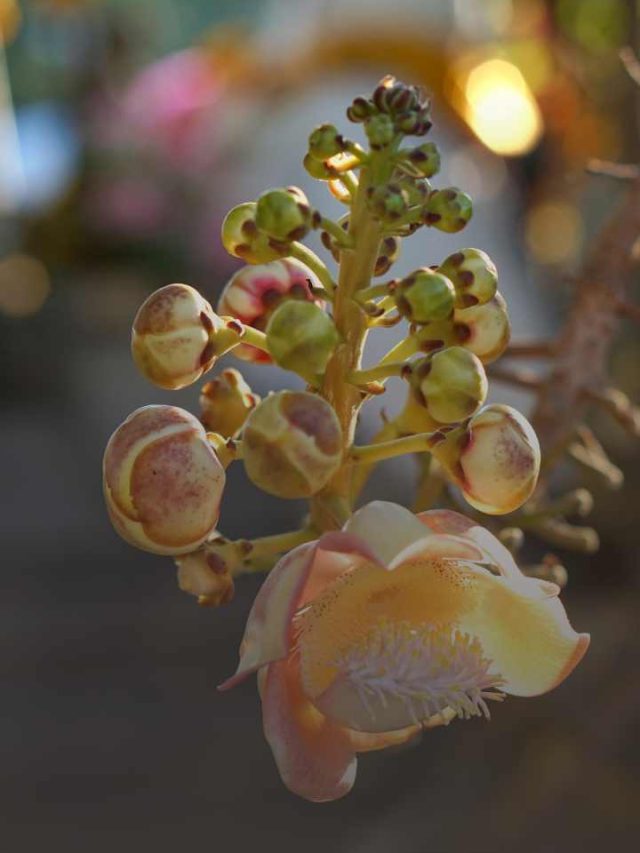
column 394, row 624
column 254, row 292
column 162, row 481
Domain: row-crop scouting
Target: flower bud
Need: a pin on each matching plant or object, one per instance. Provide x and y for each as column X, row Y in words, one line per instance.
column 473, row 275
column 484, row 329
column 360, row 110
column 301, row 337
column 325, row 141
column 206, row 577
column 380, row 131
column 226, row 402
column 448, row 210
column 292, row 444
column 242, row 239
column 171, row 338
column 387, row 255
column 451, row 384
column 495, row 460
column 322, row 170
column 162, row 481
column 388, row 202
column 425, row 296
column 284, row 214
column 417, row 189
column 424, row 160
column 253, row 294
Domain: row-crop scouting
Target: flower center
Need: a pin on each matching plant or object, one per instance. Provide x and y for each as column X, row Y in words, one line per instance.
column 426, row 668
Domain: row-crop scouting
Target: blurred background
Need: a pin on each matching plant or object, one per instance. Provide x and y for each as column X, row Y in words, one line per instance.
column 127, row 129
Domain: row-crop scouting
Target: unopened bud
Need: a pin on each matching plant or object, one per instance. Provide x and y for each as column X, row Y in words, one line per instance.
column 360, row 109
column 226, row 402
column 206, row 577
column 474, row 277
column 484, row 329
column 171, row 338
column 380, row 131
column 388, row 202
column 451, row 384
column 254, row 292
column 448, row 210
column 292, row 444
column 417, row 190
column 319, row 169
column 387, row 255
column 424, row 160
column 162, row 481
column 284, row 214
column 495, row 459
column 242, row 239
column 425, row 296
column 325, row 141
column 301, row 337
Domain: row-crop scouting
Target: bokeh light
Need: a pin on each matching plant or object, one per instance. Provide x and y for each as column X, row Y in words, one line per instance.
column 553, row 232
column 24, row 285
column 501, row 109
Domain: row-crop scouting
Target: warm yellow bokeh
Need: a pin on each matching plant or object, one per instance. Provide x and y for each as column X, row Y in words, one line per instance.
column 501, row 109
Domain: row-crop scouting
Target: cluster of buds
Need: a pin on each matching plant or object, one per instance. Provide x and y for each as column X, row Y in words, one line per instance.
column 320, row 646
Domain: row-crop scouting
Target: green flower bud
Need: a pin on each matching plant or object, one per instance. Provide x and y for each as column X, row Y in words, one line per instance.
column 301, row 337
column 226, row 402
column 451, row 384
column 388, row 202
column 284, row 214
column 321, row 170
column 241, row 238
column 380, row 131
column 387, row 255
column 292, row 444
column 325, row 141
column 417, row 189
column 425, row 159
column 484, row 329
column 360, row 110
column 425, row 296
column 474, row 277
column 448, row 210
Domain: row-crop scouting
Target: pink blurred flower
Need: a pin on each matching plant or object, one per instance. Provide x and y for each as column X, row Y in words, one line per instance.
column 394, row 624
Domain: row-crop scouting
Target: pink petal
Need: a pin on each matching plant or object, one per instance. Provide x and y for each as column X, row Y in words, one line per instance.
column 446, row 521
column 315, row 757
column 299, row 576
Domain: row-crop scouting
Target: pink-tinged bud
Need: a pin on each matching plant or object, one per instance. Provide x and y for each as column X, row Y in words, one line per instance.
column 495, row 459
column 171, row 336
column 162, row 481
column 254, row 293
column 484, row 329
column 206, row 577
column 226, row 402
column 292, row 444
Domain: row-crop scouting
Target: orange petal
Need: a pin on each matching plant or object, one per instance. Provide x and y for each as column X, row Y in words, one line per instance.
column 315, row 757
column 298, row 576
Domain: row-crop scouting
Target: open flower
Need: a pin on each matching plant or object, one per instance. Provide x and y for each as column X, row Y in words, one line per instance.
column 397, row 623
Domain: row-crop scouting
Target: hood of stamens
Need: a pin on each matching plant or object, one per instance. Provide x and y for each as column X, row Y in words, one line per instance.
column 399, row 674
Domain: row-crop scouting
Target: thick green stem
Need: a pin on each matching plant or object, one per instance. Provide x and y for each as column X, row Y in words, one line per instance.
column 331, row 506
column 420, row 443
column 380, row 371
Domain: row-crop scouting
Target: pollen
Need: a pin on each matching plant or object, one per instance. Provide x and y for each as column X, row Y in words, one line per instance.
column 428, row 668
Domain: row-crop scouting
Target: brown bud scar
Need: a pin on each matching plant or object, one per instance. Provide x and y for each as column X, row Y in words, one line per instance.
column 450, row 195
column 316, row 219
column 216, row 564
column 432, row 218
column 206, row 321
column 469, row 300
column 207, row 354
column 456, row 259
column 235, row 326
column 462, row 332
column 466, row 277
column 249, row 228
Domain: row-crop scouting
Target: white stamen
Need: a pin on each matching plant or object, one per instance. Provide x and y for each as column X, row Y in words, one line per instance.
column 427, row 667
